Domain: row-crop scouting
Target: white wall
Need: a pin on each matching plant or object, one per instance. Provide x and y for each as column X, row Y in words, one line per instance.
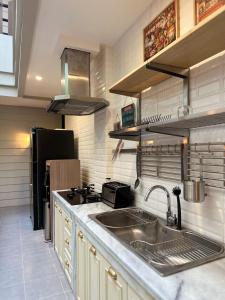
column 6, row 53
column 207, row 91
column 15, row 125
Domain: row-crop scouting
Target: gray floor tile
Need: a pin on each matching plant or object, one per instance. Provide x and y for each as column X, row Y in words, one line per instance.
column 43, row 288
column 12, row 250
column 55, row 297
column 34, row 247
column 10, row 262
column 34, row 258
column 9, row 228
column 36, row 270
column 65, row 284
column 11, row 277
column 15, row 292
column 66, row 296
column 58, row 267
column 7, row 242
column 27, row 263
column 69, row 296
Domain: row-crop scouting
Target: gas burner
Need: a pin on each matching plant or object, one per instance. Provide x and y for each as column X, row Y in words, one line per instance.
column 77, row 195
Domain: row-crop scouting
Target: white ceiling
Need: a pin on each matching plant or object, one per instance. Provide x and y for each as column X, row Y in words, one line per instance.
column 74, row 23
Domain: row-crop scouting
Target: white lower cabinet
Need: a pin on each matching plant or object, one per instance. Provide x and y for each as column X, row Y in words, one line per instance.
column 94, row 260
column 132, row 295
column 63, row 240
column 114, row 287
column 97, row 279
column 81, row 266
column 58, row 232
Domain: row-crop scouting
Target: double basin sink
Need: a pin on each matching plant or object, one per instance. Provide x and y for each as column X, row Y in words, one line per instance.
column 165, row 249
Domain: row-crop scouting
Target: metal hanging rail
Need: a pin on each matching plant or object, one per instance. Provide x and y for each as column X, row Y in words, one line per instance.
column 162, row 161
column 208, row 159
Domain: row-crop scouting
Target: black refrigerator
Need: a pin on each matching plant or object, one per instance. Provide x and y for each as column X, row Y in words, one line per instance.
column 47, row 144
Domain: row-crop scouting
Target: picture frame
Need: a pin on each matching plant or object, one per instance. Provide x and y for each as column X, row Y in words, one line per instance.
column 162, row 31
column 128, row 115
column 204, row 8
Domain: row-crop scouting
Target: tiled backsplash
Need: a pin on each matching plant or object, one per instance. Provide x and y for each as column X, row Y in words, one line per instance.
column 207, row 86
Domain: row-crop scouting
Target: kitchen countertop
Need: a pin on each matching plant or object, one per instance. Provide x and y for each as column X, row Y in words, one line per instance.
column 204, row 282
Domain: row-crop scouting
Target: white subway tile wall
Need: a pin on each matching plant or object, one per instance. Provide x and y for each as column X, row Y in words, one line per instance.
column 207, row 86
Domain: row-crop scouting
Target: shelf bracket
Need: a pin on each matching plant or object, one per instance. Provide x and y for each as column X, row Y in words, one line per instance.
column 169, row 70
column 183, row 110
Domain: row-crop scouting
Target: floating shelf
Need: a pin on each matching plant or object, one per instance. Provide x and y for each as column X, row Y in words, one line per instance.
column 203, row 41
column 175, row 127
column 181, row 127
column 130, row 134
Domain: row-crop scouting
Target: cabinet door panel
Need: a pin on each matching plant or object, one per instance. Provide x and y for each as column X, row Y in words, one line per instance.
column 81, row 266
column 113, row 286
column 94, row 261
column 56, row 233
column 60, row 233
column 133, row 296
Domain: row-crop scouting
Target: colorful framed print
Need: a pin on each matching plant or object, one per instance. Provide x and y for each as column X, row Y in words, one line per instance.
column 162, row 31
column 204, row 8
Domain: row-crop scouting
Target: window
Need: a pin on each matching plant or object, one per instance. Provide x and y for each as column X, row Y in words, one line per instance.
column 7, row 17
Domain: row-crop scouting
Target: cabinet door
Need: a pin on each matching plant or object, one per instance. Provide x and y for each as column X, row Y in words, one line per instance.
column 113, row 286
column 132, row 295
column 61, row 234
column 81, row 266
column 93, row 273
column 56, row 229
column 59, row 231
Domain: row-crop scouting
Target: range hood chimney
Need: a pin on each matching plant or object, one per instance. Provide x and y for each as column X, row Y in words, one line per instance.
column 75, row 81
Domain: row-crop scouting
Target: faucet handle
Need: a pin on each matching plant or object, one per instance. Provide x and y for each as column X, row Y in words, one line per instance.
column 175, row 219
column 171, row 219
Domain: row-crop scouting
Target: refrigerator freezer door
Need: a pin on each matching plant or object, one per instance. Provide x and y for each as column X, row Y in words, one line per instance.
column 48, row 144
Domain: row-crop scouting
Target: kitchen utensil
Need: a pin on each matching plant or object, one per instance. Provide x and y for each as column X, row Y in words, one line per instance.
column 137, row 181
column 194, row 190
column 119, row 146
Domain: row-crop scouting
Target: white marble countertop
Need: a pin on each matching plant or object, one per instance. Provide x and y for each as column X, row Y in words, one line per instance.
column 205, row 282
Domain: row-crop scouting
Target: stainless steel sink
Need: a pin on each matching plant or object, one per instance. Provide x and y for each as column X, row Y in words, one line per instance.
column 166, row 249
column 124, row 218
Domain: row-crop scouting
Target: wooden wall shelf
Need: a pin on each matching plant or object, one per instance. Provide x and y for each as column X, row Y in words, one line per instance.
column 203, row 41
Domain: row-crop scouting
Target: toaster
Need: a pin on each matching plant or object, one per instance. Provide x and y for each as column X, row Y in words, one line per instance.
column 116, row 194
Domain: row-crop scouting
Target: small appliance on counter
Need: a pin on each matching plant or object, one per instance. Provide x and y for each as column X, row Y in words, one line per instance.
column 116, row 194
column 76, row 196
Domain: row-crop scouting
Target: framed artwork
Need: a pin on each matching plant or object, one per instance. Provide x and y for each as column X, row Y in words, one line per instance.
column 162, row 31
column 204, row 8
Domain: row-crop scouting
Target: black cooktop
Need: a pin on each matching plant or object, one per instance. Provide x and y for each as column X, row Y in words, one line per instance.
column 80, row 196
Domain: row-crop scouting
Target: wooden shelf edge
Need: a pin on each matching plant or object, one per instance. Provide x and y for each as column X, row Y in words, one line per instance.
column 159, row 57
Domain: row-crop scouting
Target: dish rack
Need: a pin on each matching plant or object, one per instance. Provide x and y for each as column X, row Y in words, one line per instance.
column 186, row 250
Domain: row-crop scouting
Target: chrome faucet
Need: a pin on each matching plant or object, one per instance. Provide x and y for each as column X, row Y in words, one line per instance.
column 170, row 219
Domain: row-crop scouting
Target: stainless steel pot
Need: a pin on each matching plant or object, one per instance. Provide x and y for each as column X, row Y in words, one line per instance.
column 194, row 191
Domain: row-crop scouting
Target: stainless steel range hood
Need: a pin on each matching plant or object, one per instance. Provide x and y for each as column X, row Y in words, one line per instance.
column 75, row 81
